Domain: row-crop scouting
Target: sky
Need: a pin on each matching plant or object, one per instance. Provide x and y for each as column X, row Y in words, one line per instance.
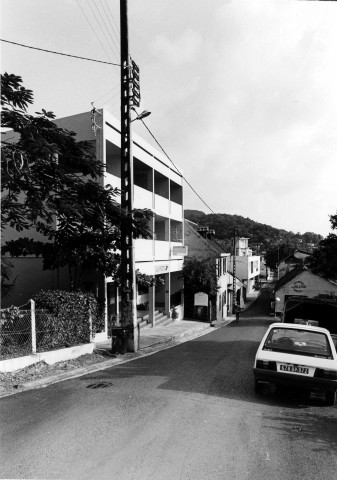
column 242, row 93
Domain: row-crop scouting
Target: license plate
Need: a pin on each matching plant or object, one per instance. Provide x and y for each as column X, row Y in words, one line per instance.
column 294, row 369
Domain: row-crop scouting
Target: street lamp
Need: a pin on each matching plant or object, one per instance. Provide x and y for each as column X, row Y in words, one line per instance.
column 141, row 115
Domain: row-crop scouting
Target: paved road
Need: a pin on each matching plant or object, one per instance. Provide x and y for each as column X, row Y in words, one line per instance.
column 188, row 412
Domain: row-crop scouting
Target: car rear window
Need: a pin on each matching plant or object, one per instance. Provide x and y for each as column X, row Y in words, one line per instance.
column 300, row 342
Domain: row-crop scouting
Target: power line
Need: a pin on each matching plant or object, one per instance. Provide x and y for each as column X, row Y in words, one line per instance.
column 59, row 53
column 100, row 26
column 112, row 27
column 109, row 92
column 92, row 28
column 117, row 35
column 188, row 183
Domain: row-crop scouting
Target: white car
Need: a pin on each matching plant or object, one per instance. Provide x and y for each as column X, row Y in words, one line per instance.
column 297, row 355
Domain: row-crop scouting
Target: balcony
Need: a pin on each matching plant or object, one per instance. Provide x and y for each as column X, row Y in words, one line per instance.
column 144, row 250
column 142, row 198
column 176, row 211
column 162, row 250
column 161, row 206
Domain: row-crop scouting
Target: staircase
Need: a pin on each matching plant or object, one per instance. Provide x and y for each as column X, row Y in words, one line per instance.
column 160, row 320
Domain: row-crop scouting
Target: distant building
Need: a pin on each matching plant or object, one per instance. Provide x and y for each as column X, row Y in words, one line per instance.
column 247, row 266
column 202, row 245
column 299, row 257
column 301, row 282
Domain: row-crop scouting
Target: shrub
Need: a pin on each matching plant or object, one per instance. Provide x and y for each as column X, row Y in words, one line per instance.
column 174, row 313
column 66, row 322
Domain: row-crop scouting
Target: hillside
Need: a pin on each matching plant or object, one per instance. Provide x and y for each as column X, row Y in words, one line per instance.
column 259, row 234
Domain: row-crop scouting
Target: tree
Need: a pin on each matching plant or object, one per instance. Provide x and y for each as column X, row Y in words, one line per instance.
column 324, row 259
column 47, row 175
column 200, row 276
column 276, row 254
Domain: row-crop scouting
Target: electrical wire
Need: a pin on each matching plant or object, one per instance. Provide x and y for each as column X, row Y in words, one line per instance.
column 109, row 92
column 92, row 28
column 107, row 29
column 188, row 183
column 59, row 53
column 107, row 16
column 99, row 25
column 112, row 17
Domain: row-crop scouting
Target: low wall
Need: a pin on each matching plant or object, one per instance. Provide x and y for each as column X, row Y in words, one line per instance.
column 54, row 356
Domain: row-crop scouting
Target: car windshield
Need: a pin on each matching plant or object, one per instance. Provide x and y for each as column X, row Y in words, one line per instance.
column 299, row 342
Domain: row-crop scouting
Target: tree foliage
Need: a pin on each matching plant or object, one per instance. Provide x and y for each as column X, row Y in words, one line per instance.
column 259, row 234
column 47, row 175
column 324, row 259
column 277, row 254
column 200, row 276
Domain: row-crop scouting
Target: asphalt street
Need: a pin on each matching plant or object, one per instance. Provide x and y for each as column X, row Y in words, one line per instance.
column 187, row 412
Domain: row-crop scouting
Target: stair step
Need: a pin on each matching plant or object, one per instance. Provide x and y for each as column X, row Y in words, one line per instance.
column 162, row 320
column 166, row 322
column 143, row 324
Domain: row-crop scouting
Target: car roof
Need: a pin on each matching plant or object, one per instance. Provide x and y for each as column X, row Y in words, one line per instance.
column 299, row 326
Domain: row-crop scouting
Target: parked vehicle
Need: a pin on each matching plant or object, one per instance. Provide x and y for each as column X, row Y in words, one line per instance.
column 313, row 311
column 300, row 356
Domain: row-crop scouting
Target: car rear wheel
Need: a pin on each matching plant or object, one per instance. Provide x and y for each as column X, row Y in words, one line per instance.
column 257, row 387
column 330, row 398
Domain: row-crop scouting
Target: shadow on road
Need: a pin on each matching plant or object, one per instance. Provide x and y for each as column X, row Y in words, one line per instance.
column 211, row 367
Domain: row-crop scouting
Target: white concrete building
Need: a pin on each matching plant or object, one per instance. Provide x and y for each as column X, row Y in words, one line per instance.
column 247, row 266
column 158, row 186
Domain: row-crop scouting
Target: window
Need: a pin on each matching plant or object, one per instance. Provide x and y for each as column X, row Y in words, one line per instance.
column 161, row 185
column 176, row 230
column 298, row 342
column 176, row 192
column 113, row 159
column 224, row 265
column 160, row 230
column 142, row 175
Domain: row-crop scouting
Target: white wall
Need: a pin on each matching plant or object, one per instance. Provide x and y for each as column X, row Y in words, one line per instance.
column 313, row 285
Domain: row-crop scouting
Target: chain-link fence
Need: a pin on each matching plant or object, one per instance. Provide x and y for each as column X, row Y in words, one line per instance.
column 16, row 332
column 24, row 330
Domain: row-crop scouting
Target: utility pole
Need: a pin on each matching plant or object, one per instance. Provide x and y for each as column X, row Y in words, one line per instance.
column 234, row 273
column 128, row 274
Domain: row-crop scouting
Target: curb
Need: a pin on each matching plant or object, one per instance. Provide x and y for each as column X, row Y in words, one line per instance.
column 174, row 340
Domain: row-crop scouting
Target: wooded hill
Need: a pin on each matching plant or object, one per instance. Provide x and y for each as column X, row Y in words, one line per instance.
column 260, row 234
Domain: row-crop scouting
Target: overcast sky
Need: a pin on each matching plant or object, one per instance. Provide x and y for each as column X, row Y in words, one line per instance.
column 243, row 94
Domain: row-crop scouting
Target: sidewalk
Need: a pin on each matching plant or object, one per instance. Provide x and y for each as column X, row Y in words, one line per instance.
column 152, row 336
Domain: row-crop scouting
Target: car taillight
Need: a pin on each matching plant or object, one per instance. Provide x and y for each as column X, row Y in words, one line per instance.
column 329, row 374
column 266, row 365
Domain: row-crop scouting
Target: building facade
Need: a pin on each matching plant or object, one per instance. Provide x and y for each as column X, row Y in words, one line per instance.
column 157, row 186
column 301, row 282
column 201, row 245
column 299, row 257
column 247, row 266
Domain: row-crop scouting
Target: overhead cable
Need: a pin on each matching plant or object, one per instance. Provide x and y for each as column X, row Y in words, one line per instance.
column 59, row 53
column 101, row 27
column 188, row 183
column 92, row 28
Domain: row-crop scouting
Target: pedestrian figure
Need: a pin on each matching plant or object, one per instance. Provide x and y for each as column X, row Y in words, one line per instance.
column 237, row 312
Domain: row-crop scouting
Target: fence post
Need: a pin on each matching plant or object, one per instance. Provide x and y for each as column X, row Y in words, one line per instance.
column 90, row 323
column 32, row 310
